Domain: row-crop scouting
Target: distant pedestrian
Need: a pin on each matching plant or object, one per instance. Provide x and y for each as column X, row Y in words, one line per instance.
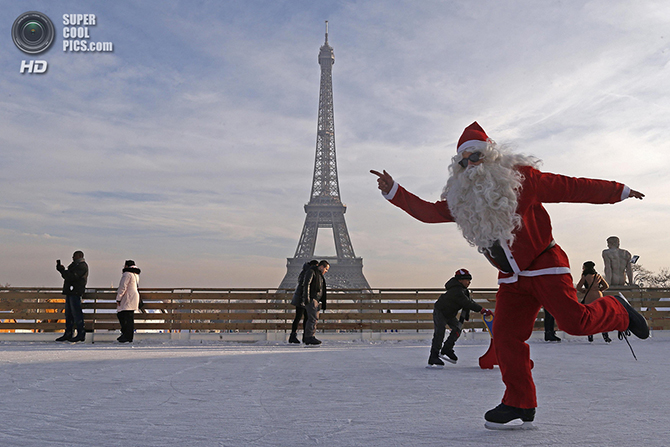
column 74, row 285
column 549, row 327
column 457, row 297
column 592, row 285
column 128, row 300
column 300, row 312
column 314, row 299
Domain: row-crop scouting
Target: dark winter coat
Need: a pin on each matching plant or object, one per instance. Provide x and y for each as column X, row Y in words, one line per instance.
column 297, row 295
column 314, row 287
column 457, row 297
column 75, row 277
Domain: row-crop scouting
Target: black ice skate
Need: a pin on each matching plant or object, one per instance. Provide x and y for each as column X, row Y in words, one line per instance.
column 504, row 417
column 65, row 337
column 434, row 361
column 449, row 356
column 293, row 338
column 636, row 322
column 312, row 341
column 551, row 337
column 80, row 338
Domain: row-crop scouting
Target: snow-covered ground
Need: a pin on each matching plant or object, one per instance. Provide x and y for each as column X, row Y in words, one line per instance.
column 176, row 393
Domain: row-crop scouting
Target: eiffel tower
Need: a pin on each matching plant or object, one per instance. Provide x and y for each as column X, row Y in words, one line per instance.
column 325, row 209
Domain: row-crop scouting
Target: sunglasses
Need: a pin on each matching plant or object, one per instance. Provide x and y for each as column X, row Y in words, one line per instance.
column 474, row 157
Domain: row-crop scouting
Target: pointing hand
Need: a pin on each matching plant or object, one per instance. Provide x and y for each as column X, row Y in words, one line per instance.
column 385, row 181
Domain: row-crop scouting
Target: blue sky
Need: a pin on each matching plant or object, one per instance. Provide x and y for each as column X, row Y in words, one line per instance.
column 190, row 147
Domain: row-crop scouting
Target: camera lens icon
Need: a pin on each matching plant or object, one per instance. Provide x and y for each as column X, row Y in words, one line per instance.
column 33, row 32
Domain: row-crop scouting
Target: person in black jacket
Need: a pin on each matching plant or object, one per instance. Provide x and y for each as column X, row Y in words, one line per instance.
column 74, row 285
column 549, row 327
column 300, row 312
column 457, row 297
column 314, row 299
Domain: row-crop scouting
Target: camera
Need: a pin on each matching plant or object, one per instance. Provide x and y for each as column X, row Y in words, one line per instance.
column 33, row 32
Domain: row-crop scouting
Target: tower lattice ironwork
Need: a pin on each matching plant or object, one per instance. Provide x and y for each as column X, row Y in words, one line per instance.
column 325, row 208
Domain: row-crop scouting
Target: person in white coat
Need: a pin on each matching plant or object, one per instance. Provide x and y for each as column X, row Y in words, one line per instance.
column 128, row 301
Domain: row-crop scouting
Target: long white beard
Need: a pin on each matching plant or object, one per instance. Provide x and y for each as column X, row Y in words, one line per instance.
column 483, row 200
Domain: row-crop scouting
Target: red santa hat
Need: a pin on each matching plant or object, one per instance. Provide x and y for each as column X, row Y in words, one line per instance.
column 473, row 139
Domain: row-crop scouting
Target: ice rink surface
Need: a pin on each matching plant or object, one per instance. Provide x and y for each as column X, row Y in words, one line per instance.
column 175, row 393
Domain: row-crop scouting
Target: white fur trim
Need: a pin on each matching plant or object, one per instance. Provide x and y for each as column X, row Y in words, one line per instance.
column 391, row 194
column 625, row 193
column 531, row 273
column 509, row 280
column 547, row 271
column 472, row 146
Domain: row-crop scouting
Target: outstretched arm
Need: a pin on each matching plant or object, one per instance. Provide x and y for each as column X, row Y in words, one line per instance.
column 428, row 212
column 555, row 188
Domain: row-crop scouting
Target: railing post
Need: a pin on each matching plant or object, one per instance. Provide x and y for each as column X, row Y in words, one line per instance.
column 417, row 309
column 267, row 301
column 171, row 314
column 95, row 312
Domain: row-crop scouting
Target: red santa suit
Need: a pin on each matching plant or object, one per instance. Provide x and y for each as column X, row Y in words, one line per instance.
column 538, row 273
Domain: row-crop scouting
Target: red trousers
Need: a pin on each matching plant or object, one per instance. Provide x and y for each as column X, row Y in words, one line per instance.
column 517, row 306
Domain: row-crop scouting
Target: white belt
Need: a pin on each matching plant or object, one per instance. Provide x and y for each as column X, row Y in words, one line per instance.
column 548, row 271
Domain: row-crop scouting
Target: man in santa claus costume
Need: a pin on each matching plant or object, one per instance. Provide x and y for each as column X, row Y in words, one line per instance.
column 495, row 197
